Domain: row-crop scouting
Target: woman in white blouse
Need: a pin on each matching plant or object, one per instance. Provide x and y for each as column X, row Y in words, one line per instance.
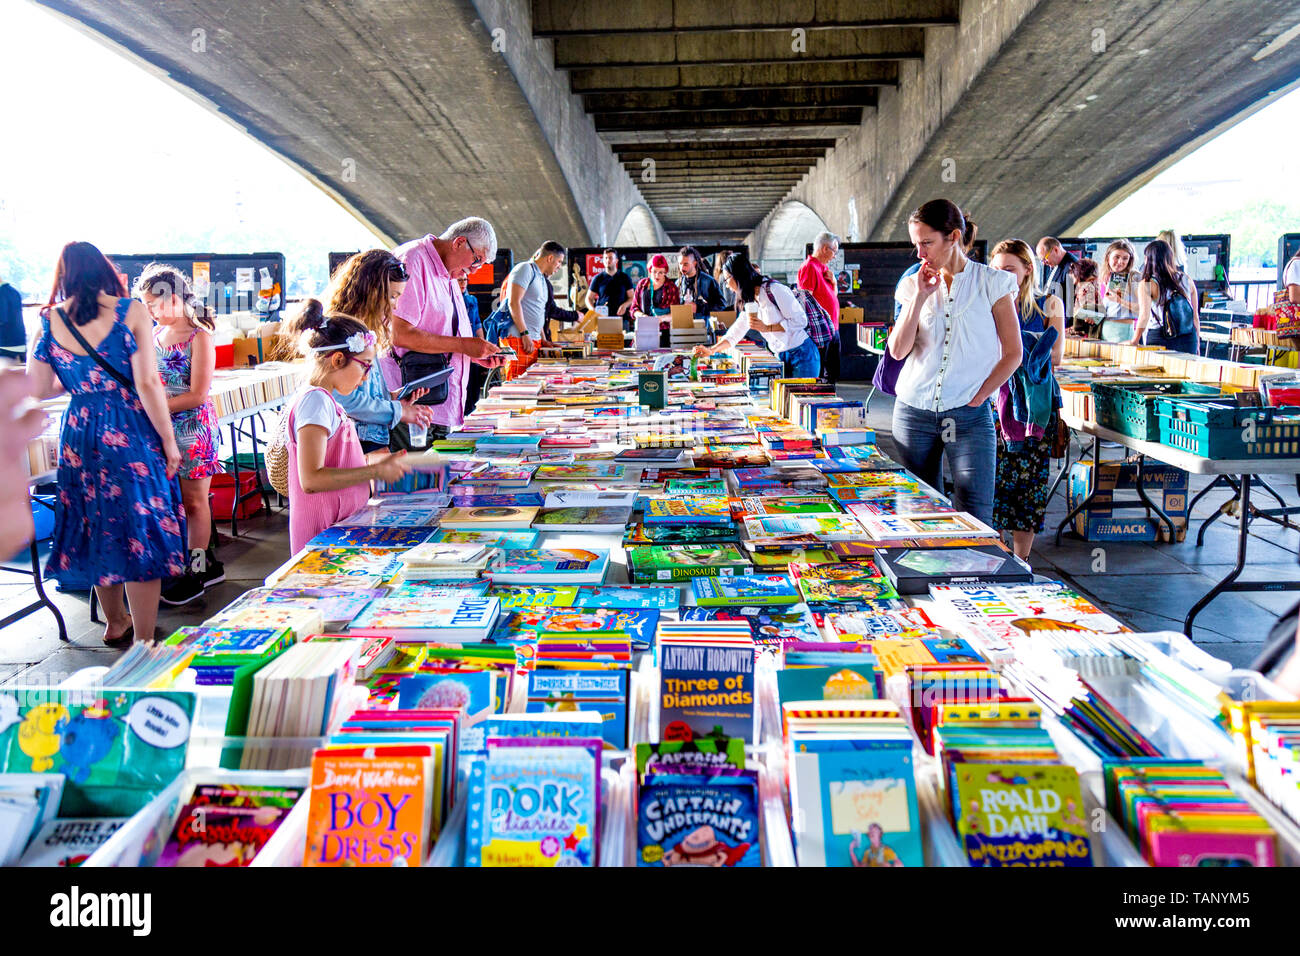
column 960, row 340
column 770, row 309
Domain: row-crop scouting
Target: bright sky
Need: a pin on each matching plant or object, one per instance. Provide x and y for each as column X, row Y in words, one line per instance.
column 137, row 189
column 195, row 183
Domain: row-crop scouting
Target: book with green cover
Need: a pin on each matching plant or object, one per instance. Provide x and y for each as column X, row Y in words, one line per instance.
column 681, row 562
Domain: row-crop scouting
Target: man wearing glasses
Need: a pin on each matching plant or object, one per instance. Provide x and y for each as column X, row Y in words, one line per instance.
column 429, row 317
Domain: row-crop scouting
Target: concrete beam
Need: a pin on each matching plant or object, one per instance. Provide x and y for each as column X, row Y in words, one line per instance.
column 1195, row 63
column 781, row 120
column 588, row 18
column 724, row 150
column 810, row 97
column 630, row 50
column 736, row 76
column 712, row 172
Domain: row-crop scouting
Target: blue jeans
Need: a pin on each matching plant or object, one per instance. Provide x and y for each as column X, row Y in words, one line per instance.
column 965, row 435
column 802, row 361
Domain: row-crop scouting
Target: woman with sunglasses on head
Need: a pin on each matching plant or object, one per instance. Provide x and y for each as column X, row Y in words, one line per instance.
column 366, row 287
column 329, row 474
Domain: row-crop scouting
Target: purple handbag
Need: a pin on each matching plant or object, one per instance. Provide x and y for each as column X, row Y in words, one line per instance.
column 887, row 371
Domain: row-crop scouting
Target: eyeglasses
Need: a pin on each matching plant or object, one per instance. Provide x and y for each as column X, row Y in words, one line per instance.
column 365, row 366
column 478, row 259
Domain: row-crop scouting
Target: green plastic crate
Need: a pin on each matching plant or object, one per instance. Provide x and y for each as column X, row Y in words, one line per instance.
column 1276, row 432
column 1130, row 409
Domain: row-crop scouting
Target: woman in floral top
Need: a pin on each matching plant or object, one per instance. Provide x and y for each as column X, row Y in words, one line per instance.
column 119, row 519
column 186, row 359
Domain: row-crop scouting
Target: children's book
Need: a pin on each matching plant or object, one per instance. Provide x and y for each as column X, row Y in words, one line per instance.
column 474, row 692
column 468, row 617
column 594, row 519
column 658, row 597
column 1020, row 814
column 552, row 566
column 853, row 799
column 706, row 688
column 698, row 820
column 533, row 806
column 744, row 590
column 587, row 471
column 341, row 536
column 499, row 517
column 534, row 595
column 637, row 624
column 370, row 806
column 679, row 511
column 226, row 825
column 681, row 562
column 507, row 540
column 914, row 570
column 68, row 842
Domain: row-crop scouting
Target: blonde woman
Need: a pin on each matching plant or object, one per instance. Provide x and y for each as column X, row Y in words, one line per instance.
column 1025, row 447
column 1119, row 282
column 1175, row 242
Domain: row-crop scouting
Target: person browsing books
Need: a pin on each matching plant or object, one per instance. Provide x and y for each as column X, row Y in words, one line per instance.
column 366, row 287
column 655, row 296
column 186, row 360
column 771, row 310
column 329, row 474
column 959, row 341
column 118, row 519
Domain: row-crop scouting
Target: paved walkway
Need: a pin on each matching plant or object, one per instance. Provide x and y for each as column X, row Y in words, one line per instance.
column 1148, row 586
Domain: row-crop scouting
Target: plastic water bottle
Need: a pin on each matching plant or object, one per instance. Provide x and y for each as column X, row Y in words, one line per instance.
column 419, row 435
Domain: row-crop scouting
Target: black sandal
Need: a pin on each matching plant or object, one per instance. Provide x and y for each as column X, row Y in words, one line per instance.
column 124, row 639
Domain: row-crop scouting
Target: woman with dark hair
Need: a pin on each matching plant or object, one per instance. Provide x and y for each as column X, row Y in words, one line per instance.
column 1088, row 314
column 1177, row 324
column 770, row 309
column 960, row 337
column 119, row 520
column 329, row 474
column 366, row 287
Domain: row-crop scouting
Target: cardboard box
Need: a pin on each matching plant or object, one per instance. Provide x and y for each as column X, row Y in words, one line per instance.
column 851, row 315
column 606, row 326
column 683, row 316
column 1164, row 484
column 726, row 317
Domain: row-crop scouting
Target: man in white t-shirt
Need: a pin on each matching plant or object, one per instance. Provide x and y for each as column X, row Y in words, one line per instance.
column 1291, row 279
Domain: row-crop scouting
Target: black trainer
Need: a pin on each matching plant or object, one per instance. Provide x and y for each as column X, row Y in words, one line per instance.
column 182, row 589
column 205, row 565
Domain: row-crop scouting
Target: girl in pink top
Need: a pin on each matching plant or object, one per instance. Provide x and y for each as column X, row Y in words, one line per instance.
column 332, row 476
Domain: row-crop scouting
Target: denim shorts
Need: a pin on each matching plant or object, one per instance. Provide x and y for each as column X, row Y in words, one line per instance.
column 802, row 361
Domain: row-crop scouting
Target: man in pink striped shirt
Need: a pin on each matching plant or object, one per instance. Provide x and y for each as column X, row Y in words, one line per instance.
column 429, row 316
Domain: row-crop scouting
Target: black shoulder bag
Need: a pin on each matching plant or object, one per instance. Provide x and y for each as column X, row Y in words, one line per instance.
column 122, row 380
column 418, row 365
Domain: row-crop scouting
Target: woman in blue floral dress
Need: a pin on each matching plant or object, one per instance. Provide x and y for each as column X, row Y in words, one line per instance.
column 119, row 521
column 186, row 359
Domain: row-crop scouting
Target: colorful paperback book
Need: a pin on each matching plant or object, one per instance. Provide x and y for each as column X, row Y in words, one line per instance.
column 706, row 689
column 629, row 596
column 1020, row 814
column 520, row 500
column 744, row 589
column 818, row 590
column 678, row 511
column 639, row 625
column 390, row 516
column 226, row 826
column 338, row 607
column 681, row 562
column 370, row 806
column 533, row 806
column 552, row 566
column 474, row 692
column 587, row 471
column 889, row 527
column 826, row 527
column 695, row 820
column 70, row 842
column 602, row 691
column 816, row 504
column 914, row 570
column 453, row 617
column 770, row 627
column 341, row 536
column 901, row 504
column 507, row 540
column 594, row 519
column 854, row 801
column 534, row 595
column 343, row 567
column 706, row 755
column 851, row 680
column 497, row 517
